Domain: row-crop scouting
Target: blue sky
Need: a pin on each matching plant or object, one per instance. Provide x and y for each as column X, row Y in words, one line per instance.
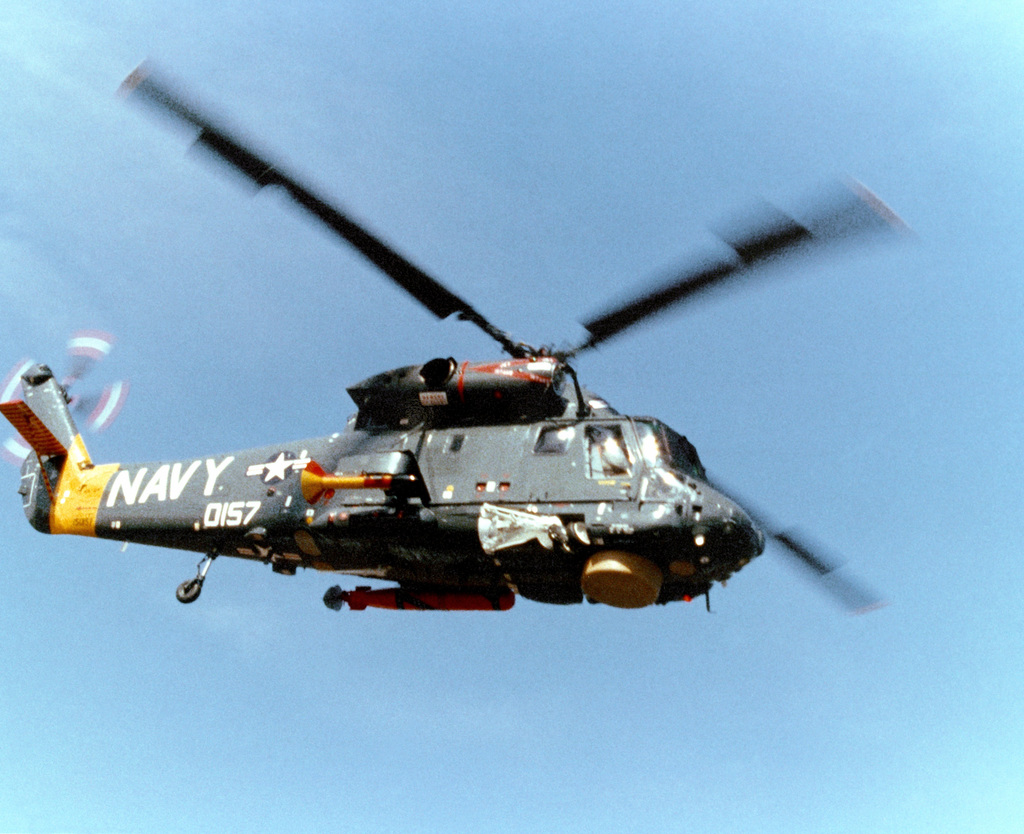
column 541, row 158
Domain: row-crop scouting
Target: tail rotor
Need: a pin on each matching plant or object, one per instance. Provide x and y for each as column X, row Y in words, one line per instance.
column 95, row 410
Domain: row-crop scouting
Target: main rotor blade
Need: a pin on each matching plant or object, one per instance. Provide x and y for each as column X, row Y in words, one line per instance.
column 854, row 596
column 433, row 295
column 850, row 593
column 839, row 215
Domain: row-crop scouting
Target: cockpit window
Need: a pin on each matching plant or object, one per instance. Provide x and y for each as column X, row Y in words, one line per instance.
column 607, row 451
column 682, row 450
column 663, row 447
column 554, row 440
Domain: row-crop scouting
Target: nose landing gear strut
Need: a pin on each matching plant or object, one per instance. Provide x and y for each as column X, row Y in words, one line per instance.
column 188, row 591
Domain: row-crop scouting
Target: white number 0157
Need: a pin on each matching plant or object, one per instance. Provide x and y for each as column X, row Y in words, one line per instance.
column 230, row 513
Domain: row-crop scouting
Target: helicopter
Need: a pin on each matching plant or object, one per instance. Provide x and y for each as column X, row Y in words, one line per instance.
column 464, row 484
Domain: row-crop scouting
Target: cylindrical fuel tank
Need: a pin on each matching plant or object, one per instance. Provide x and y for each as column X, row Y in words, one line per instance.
column 420, row 600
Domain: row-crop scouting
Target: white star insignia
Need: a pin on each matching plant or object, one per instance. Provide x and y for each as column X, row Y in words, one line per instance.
column 276, row 469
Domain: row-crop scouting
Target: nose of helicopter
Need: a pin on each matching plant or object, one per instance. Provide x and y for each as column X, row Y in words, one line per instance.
column 722, row 526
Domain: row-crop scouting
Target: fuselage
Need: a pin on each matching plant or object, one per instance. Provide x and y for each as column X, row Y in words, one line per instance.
column 552, row 508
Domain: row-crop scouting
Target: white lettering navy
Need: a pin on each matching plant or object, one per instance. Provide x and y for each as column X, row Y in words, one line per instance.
column 168, row 482
column 213, row 472
column 124, row 483
column 178, row 481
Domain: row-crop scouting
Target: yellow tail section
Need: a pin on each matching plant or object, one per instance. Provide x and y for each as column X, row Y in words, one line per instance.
column 79, row 491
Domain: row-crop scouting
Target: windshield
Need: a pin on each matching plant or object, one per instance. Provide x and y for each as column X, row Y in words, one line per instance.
column 664, row 448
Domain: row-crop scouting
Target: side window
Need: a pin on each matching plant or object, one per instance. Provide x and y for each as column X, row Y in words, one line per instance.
column 607, row 452
column 455, row 443
column 554, row 440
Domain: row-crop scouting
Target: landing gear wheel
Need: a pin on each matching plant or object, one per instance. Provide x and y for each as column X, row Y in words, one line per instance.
column 188, row 591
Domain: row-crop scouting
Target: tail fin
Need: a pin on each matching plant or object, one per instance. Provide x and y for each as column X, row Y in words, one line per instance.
column 60, row 487
column 43, row 418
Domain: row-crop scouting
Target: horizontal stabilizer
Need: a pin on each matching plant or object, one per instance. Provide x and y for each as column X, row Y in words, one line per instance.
column 32, row 429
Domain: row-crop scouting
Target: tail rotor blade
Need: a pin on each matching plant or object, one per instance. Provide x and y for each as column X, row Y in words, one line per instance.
column 14, row 450
column 103, row 409
column 11, row 386
column 86, row 348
